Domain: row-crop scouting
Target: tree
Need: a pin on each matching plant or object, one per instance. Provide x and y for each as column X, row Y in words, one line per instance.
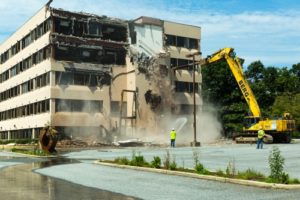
column 261, row 81
column 255, row 71
column 288, row 103
column 220, row 89
column 295, row 71
column 287, row 82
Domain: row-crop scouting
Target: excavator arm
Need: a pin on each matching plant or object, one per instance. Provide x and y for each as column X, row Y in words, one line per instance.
column 233, row 62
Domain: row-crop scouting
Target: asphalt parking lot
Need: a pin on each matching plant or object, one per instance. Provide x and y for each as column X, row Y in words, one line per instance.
column 133, row 184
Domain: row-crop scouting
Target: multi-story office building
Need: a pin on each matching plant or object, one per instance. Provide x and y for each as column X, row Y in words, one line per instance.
column 94, row 75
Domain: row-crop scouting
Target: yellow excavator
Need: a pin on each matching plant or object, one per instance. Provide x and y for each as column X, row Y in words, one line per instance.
column 277, row 130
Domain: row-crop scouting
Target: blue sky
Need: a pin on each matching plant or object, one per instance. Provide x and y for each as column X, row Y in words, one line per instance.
column 265, row 30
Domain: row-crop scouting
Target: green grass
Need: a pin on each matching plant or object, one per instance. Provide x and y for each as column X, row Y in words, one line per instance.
column 230, row 172
column 35, row 152
column 251, row 174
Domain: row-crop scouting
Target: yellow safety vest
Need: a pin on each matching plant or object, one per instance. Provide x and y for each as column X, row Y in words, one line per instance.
column 261, row 134
column 173, row 135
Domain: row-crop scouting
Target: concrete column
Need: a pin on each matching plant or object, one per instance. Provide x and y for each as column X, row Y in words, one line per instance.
column 33, row 135
column 8, row 135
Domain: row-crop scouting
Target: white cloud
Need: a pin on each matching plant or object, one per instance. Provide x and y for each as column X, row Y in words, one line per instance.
column 273, row 38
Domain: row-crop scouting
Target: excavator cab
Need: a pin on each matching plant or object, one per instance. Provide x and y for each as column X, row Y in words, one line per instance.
column 250, row 121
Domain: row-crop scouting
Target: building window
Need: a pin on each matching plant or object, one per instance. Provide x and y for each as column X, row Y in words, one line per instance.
column 185, row 87
column 27, row 86
column 115, row 108
column 180, row 41
column 171, row 40
column 174, row 62
column 62, row 105
column 193, row 43
column 63, row 26
column 43, row 80
column 94, row 28
column 183, row 63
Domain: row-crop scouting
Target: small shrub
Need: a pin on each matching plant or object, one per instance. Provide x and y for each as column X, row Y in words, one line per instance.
column 138, row 160
column 156, row 162
column 230, row 170
column 220, row 173
column 276, row 163
column 285, row 178
column 173, row 165
column 122, row 160
column 294, row 181
column 167, row 160
column 200, row 168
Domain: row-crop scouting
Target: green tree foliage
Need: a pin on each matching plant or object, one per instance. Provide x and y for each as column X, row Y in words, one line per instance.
column 288, row 103
column 287, row 82
column 295, row 71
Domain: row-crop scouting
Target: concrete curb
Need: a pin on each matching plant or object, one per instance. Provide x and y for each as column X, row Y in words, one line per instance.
column 206, row 177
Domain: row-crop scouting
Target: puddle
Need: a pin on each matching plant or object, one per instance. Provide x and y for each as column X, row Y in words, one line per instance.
column 20, row 182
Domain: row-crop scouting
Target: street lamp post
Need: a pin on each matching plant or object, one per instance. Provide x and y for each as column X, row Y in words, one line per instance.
column 194, row 143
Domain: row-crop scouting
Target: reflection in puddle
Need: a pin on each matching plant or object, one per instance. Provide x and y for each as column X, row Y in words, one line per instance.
column 19, row 182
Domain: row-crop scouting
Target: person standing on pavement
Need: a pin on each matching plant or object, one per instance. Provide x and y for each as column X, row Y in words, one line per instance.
column 260, row 138
column 173, row 137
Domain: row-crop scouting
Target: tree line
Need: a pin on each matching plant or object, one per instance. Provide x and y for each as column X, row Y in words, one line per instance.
column 277, row 90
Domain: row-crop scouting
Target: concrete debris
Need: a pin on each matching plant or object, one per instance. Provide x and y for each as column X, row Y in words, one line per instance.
column 129, row 143
column 78, row 143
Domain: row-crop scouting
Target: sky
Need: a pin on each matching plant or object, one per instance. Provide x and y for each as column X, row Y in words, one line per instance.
column 265, row 30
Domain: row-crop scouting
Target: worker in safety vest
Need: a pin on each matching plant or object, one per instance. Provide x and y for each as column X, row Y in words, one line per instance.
column 260, row 138
column 173, row 137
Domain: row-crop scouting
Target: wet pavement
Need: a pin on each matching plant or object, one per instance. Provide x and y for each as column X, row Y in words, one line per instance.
column 19, row 181
column 75, row 176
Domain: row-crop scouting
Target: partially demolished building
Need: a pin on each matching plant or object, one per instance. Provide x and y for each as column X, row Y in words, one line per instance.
column 94, row 75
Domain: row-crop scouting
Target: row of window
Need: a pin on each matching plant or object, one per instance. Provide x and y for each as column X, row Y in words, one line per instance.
column 30, row 109
column 179, row 41
column 27, row 63
column 27, row 40
column 66, row 105
column 186, row 64
column 86, row 79
column 61, row 105
column 38, row 82
column 62, row 78
column 98, row 55
column 90, row 28
column 186, row 87
column 19, row 134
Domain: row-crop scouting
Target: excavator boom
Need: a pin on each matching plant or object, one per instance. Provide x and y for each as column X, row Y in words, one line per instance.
column 237, row 71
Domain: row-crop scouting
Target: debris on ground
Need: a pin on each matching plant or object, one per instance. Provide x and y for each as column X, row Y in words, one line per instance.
column 129, row 143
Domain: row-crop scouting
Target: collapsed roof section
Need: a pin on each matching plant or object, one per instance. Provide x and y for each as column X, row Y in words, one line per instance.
column 82, row 37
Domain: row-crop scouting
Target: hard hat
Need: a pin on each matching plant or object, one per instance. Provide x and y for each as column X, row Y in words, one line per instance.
column 260, row 127
column 173, row 129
